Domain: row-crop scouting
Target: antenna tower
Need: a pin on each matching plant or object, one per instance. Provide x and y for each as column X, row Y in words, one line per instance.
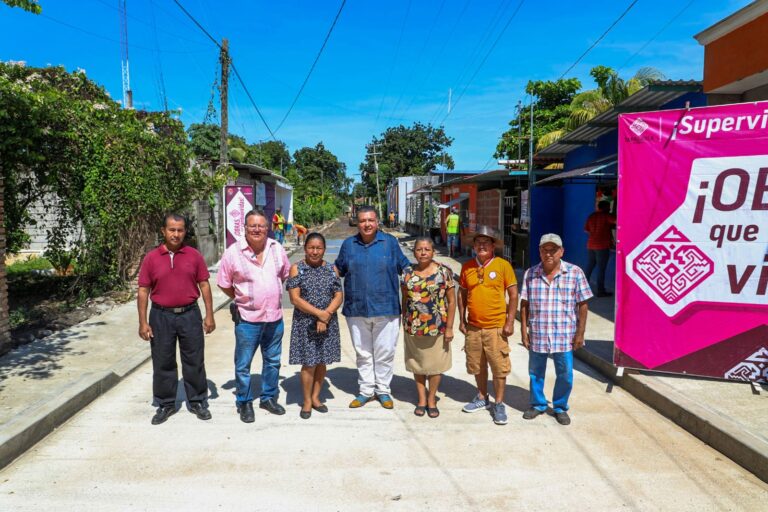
column 127, row 93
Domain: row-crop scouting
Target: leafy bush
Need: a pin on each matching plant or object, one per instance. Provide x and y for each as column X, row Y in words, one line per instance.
column 113, row 172
column 34, row 263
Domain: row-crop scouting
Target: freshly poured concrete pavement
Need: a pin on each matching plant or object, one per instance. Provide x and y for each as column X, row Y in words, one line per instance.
column 617, row 454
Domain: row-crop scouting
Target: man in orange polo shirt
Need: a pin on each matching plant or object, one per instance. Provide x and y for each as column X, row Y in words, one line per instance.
column 487, row 306
column 598, row 227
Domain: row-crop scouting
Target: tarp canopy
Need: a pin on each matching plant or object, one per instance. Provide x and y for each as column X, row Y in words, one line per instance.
column 462, row 197
column 589, row 170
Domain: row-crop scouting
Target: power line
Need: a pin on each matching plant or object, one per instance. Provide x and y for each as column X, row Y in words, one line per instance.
column 312, row 68
column 394, row 60
column 213, row 39
column 231, row 64
column 419, row 57
column 106, row 38
column 151, row 25
column 657, row 34
column 615, row 22
column 432, row 62
column 482, row 63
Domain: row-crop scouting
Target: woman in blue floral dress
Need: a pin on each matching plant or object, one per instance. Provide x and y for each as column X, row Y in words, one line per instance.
column 315, row 292
column 429, row 307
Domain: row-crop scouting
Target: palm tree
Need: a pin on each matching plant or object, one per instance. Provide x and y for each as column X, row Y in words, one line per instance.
column 611, row 90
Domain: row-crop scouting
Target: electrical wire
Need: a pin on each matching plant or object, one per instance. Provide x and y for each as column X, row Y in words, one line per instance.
column 419, row 57
column 106, row 38
column 394, row 60
column 657, row 34
column 615, row 22
column 312, row 68
column 231, row 65
column 476, row 52
column 482, row 63
column 152, row 24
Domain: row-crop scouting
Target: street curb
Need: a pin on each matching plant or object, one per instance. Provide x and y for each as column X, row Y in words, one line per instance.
column 24, row 431
column 719, row 432
column 43, row 417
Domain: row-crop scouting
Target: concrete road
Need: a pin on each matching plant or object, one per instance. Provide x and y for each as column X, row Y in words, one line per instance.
column 617, row 453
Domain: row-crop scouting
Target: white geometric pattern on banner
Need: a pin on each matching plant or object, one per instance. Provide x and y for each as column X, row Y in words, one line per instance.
column 752, row 369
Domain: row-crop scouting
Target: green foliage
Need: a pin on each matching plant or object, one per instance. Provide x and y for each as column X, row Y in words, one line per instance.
column 204, row 141
column 25, row 266
column 320, row 185
column 27, row 5
column 551, row 111
column 112, row 173
column 406, row 151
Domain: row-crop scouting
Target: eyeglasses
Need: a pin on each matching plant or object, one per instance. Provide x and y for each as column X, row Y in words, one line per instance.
column 257, row 227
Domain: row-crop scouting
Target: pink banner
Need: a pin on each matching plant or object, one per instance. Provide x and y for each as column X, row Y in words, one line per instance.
column 238, row 200
column 692, row 242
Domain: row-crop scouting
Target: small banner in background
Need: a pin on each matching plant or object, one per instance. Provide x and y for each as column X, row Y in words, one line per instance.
column 238, row 200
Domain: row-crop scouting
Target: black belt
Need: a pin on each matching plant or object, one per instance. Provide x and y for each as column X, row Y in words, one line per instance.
column 178, row 310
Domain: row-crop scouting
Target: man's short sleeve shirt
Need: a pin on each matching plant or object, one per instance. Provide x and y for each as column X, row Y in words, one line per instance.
column 552, row 318
column 258, row 286
column 173, row 277
column 487, row 291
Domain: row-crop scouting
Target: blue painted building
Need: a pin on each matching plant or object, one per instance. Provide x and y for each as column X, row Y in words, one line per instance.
column 561, row 203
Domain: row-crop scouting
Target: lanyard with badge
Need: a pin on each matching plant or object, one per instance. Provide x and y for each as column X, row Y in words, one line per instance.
column 481, row 270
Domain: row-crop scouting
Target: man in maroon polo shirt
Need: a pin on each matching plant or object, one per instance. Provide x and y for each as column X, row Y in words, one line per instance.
column 174, row 275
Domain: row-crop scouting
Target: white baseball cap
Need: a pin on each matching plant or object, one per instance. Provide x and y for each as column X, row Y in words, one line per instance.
column 551, row 238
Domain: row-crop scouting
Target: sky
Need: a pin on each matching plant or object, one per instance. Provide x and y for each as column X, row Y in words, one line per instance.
column 385, row 63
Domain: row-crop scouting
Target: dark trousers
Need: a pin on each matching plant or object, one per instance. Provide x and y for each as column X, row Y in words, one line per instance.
column 599, row 258
column 187, row 327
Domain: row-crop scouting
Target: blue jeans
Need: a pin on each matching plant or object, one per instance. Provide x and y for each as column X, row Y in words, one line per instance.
column 280, row 236
column 453, row 241
column 537, row 368
column 599, row 258
column 248, row 337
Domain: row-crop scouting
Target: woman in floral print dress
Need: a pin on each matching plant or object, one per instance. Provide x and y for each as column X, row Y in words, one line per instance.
column 429, row 307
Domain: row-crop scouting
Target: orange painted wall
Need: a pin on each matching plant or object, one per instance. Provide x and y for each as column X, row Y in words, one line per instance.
column 737, row 55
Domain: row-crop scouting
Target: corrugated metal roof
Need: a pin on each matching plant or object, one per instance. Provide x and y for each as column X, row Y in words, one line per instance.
column 652, row 97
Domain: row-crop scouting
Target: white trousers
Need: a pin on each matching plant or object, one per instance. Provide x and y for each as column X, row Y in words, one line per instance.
column 374, row 340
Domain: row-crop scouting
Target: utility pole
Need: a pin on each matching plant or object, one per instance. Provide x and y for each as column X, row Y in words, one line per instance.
column 376, row 168
column 224, row 59
column 519, row 132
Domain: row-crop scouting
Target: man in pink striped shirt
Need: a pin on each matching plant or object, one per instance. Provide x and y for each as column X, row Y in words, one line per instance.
column 252, row 272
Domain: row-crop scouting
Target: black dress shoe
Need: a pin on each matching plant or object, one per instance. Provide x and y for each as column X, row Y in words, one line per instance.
column 305, row 415
column 246, row 412
column 531, row 413
column 200, row 411
column 322, row 408
column 272, row 406
column 163, row 413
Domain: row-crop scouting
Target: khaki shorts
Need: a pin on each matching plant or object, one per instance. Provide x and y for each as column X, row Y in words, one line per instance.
column 487, row 346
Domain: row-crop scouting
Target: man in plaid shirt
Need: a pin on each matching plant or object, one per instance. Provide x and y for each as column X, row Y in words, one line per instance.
column 553, row 313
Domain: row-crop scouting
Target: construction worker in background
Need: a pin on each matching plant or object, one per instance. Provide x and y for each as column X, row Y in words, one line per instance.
column 278, row 225
column 453, row 228
column 301, row 233
column 391, row 219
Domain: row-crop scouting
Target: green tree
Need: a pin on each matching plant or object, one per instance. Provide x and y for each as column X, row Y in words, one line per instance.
column 406, row 151
column 28, row 5
column 321, row 187
column 551, row 111
column 205, row 141
column 270, row 154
